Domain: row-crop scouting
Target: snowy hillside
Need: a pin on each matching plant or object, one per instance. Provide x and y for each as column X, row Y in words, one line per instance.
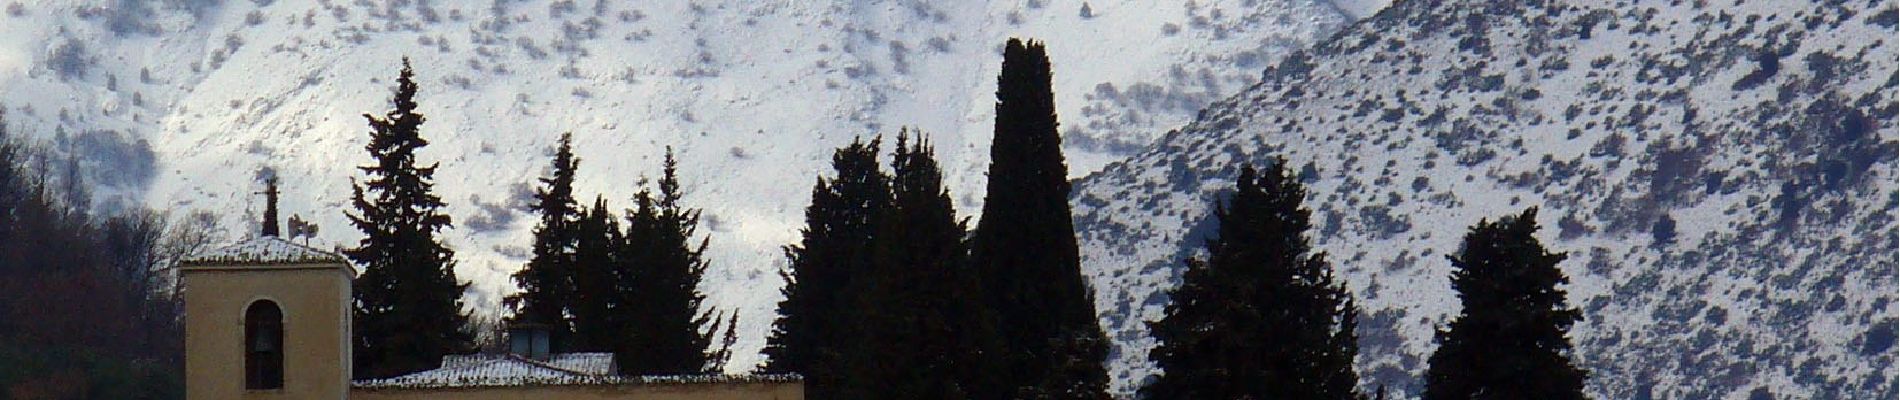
column 1722, row 173
column 183, row 104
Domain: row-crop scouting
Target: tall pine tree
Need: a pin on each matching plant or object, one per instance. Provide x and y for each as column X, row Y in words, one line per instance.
column 669, row 333
column 1024, row 247
column 1260, row 318
column 814, row 323
column 1510, row 341
column 600, row 303
column 547, row 285
column 719, row 358
column 408, row 301
column 926, row 333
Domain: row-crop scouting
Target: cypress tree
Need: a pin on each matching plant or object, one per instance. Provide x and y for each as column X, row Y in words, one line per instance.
column 669, row 334
column 408, row 301
column 598, row 305
column 814, row 322
column 1024, row 247
column 1259, row 317
column 1509, row 341
column 547, row 285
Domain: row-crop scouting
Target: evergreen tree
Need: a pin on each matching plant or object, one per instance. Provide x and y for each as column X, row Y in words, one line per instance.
column 1024, row 247
column 1509, row 342
column 926, row 331
column 718, row 358
column 1260, row 318
column 408, row 301
column 1075, row 375
column 669, row 333
column 815, row 319
column 547, row 285
column 270, row 206
column 599, row 305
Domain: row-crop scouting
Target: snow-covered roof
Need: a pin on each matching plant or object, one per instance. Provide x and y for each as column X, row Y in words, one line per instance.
column 264, row 250
column 582, row 363
column 483, row 370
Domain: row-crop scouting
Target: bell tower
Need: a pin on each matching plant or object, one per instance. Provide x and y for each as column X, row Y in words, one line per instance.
column 267, row 319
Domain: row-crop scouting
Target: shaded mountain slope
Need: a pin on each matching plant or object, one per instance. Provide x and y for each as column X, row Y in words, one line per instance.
column 1721, row 172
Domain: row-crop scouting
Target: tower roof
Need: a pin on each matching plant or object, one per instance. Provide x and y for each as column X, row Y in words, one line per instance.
column 264, row 250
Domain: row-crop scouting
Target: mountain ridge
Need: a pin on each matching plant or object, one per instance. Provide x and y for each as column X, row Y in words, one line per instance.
column 184, row 105
column 1740, row 123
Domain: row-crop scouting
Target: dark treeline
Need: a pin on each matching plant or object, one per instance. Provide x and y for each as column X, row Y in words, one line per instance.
column 594, row 283
column 889, row 296
column 880, row 301
column 1260, row 316
column 633, row 290
column 889, row 293
column 88, row 309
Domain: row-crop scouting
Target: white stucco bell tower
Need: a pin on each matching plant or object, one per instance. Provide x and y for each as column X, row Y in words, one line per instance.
column 267, row 319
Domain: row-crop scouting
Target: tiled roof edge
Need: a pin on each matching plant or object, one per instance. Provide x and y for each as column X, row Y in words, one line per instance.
column 582, row 380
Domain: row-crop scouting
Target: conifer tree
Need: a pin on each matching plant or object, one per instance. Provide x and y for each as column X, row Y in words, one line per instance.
column 599, row 305
column 669, row 334
column 547, row 285
column 927, row 332
column 718, row 358
column 408, row 301
column 814, row 318
column 1259, row 318
column 1024, row 247
column 1077, row 374
column 1510, row 340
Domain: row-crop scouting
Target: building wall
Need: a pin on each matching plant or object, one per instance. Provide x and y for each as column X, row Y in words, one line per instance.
column 315, row 301
column 697, row 391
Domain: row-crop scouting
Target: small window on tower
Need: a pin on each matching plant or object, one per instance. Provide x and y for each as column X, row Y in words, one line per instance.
column 263, row 346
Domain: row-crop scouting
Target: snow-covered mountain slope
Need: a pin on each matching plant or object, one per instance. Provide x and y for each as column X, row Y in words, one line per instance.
column 1763, row 130
column 182, row 104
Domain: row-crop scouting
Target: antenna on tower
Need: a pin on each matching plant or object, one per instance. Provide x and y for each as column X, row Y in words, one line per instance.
column 299, row 228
